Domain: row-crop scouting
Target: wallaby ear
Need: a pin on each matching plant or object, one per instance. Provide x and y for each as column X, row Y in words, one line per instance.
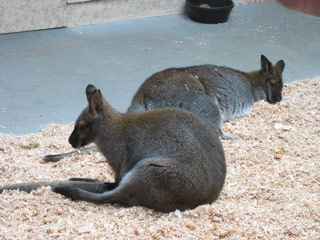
column 266, row 65
column 95, row 99
column 90, row 90
column 280, row 64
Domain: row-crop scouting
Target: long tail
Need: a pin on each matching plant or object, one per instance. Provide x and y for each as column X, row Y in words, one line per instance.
column 58, row 157
column 91, row 186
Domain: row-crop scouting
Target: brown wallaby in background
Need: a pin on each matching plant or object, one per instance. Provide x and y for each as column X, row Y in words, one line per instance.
column 216, row 94
column 164, row 159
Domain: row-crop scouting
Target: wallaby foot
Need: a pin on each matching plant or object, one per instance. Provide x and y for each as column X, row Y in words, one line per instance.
column 225, row 136
column 69, row 192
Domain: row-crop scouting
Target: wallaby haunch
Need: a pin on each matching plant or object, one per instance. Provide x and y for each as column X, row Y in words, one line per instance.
column 215, row 94
column 164, row 159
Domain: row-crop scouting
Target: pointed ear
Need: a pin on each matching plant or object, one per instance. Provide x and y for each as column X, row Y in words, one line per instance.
column 266, row 65
column 89, row 91
column 280, row 64
column 95, row 99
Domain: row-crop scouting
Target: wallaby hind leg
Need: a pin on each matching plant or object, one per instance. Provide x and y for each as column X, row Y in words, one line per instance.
column 116, row 195
column 144, row 185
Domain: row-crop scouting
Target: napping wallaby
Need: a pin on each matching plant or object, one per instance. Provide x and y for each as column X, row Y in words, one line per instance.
column 164, row 159
column 215, row 94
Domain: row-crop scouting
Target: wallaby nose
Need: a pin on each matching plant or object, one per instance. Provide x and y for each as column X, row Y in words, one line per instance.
column 71, row 141
column 276, row 99
column 279, row 98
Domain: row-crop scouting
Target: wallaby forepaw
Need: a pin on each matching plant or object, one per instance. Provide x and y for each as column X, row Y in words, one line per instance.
column 68, row 192
column 227, row 137
column 53, row 158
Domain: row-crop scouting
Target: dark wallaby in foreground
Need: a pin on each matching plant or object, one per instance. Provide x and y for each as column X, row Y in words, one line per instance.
column 215, row 94
column 164, row 159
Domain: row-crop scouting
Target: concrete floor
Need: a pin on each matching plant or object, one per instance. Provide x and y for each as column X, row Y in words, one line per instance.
column 43, row 74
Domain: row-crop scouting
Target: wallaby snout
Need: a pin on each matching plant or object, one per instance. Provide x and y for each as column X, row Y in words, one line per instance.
column 275, row 99
column 274, row 95
column 81, row 135
column 73, row 141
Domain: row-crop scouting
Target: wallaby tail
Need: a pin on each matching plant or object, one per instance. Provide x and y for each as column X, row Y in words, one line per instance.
column 91, row 186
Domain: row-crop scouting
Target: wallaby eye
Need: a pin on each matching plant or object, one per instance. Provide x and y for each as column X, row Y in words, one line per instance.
column 273, row 83
column 82, row 125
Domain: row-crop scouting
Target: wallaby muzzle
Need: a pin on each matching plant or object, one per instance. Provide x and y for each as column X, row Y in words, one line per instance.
column 274, row 99
column 74, row 141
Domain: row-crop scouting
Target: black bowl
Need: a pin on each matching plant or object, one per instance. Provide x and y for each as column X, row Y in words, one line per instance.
column 214, row 11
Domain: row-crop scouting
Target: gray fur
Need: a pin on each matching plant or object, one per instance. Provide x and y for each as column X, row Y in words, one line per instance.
column 164, row 159
column 215, row 94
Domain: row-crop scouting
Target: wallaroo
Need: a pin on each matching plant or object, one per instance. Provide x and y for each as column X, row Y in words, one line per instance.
column 216, row 94
column 164, row 159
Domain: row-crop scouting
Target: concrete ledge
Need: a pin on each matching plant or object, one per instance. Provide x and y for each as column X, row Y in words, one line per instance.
column 114, row 10
column 26, row 15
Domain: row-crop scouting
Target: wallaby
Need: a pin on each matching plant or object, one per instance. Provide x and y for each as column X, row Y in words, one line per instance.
column 164, row 159
column 216, row 94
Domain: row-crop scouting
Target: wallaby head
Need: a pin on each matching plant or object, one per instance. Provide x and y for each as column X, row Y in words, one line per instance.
column 271, row 79
column 85, row 129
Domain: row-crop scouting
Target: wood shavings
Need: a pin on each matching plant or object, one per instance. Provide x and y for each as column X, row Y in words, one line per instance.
column 271, row 190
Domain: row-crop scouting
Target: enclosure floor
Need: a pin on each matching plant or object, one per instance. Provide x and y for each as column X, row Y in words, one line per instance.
column 271, row 190
column 43, row 74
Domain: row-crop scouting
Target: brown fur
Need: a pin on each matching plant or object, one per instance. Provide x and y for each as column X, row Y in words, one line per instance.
column 164, row 159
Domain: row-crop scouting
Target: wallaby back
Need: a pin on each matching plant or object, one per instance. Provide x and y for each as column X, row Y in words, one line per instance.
column 177, row 88
column 164, row 159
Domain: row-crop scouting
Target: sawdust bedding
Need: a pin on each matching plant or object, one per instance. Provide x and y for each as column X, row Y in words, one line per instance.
column 271, row 191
